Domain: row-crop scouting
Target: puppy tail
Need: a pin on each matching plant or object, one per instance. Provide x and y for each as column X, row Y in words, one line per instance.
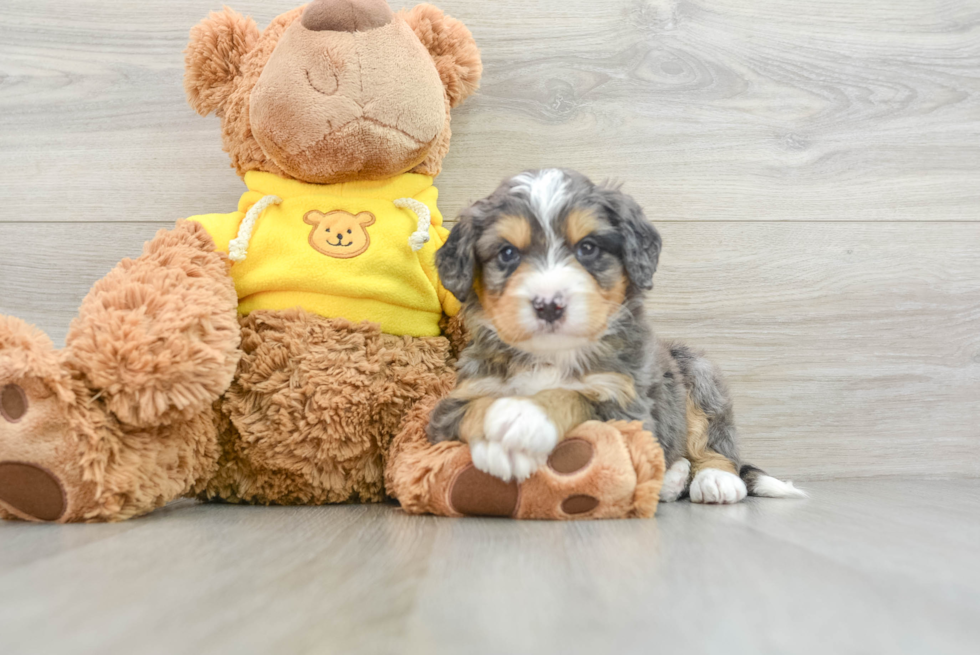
column 760, row 484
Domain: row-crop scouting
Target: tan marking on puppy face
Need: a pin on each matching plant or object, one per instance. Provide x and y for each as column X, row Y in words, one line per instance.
column 515, row 230
column 617, row 293
column 505, row 308
column 580, row 224
column 339, row 234
column 604, row 299
column 602, row 303
column 471, row 427
column 698, row 452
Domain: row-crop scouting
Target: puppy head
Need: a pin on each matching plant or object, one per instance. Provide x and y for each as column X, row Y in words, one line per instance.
column 550, row 258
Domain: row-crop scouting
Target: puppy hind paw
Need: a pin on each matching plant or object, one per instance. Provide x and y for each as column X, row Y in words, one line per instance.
column 716, row 487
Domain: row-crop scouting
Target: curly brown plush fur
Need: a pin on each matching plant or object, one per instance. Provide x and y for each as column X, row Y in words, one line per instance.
column 158, row 335
column 108, row 420
column 314, row 406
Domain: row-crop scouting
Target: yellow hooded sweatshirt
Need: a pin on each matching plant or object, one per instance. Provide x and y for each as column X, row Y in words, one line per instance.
column 338, row 250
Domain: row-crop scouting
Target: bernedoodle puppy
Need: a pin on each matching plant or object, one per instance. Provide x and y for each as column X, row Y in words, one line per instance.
column 553, row 272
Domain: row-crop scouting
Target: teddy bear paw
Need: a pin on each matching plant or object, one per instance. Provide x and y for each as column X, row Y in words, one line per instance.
column 475, row 492
column 29, row 488
column 39, row 476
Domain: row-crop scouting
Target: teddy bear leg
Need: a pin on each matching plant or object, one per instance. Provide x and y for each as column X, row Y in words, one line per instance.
column 311, row 413
column 43, row 426
column 121, row 420
column 600, row 470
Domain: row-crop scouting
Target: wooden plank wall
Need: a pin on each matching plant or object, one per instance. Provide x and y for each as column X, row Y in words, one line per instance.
column 814, row 168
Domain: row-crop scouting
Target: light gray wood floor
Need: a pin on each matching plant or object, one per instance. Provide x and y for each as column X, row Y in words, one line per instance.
column 864, row 566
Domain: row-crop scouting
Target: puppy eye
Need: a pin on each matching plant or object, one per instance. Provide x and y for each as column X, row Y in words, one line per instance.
column 508, row 255
column 348, row 231
column 587, row 250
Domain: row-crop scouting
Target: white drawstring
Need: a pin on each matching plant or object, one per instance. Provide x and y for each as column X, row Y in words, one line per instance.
column 421, row 236
column 238, row 247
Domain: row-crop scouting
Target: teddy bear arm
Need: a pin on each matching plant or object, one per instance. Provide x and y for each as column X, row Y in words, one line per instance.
column 158, row 337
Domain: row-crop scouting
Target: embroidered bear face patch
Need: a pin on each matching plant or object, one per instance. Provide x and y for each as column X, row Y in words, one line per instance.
column 339, row 234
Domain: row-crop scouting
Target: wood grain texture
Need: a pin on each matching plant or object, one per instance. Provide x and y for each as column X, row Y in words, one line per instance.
column 708, row 109
column 852, row 349
column 867, row 566
column 814, row 168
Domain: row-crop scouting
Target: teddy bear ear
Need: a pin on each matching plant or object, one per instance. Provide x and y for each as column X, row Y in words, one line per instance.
column 452, row 48
column 214, row 57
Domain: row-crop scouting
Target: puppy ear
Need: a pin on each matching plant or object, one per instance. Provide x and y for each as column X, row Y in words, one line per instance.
column 452, row 48
column 213, row 58
column 641, row 241
column 456, row 260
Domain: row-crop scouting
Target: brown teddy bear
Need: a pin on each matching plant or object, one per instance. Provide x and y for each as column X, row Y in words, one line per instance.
column 189, row 374
column 215, row 364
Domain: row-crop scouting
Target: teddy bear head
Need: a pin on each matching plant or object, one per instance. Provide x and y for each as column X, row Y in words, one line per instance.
column 334, row 91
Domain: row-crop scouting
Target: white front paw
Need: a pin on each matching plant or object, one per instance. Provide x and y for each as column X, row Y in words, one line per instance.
column 490, row 458
column 714, row 486
column 519, row 424
column 519, row 436
column 675, row 480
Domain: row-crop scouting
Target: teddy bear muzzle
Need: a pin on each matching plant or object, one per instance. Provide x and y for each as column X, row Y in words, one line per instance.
column 323, row 118
column 346, row 15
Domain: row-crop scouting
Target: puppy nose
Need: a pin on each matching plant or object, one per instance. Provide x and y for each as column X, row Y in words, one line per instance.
column 549, row 310
column 346, row 15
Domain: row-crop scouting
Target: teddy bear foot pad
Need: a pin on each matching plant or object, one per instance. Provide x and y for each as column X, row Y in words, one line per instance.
column 475, row 493
column 31, row 492
column 27, row 490
column 31, row 434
